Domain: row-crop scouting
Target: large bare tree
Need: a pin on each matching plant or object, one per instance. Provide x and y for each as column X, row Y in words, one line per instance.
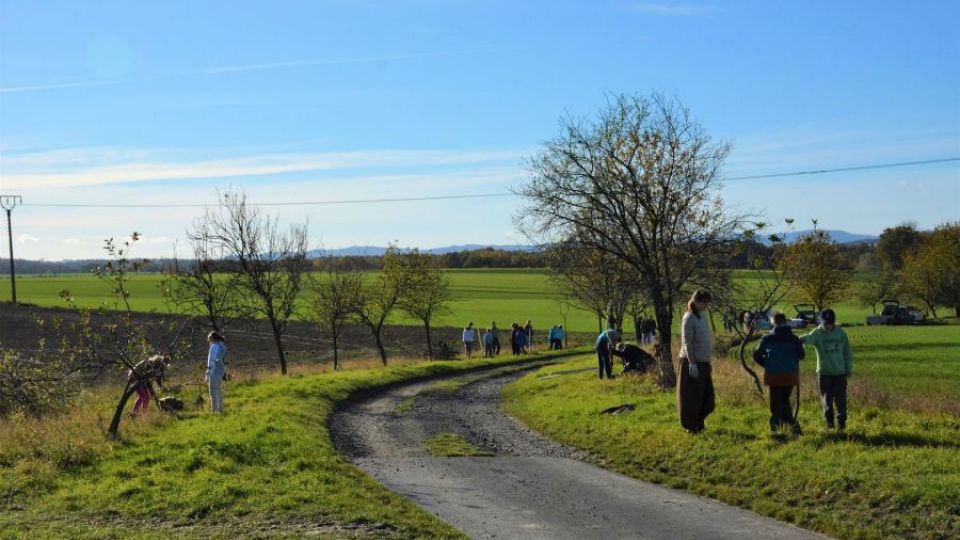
column 269, row 261
column 640, row 182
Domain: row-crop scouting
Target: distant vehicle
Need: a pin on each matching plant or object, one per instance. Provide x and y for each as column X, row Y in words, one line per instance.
column 806, row 315
column 894, row 313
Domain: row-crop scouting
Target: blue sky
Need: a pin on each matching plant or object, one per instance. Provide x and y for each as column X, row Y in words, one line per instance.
column 120, row 102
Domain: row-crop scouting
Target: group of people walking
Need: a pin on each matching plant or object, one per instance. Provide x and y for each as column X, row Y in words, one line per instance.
column 521, row 339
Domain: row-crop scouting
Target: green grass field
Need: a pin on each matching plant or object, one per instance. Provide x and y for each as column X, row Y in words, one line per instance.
column 895, row 474
column 503, row 295
column 267, row 468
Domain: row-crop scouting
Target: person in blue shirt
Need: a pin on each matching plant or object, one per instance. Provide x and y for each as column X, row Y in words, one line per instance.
column 604, row 345
column 216, row 370
column 780, row 353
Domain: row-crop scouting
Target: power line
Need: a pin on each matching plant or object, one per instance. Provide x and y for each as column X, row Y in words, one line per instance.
column 484, row 195
column 285, row 203
column 846, row 169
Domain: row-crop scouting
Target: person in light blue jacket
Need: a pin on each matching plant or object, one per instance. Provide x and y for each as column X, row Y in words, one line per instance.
column 216, row 370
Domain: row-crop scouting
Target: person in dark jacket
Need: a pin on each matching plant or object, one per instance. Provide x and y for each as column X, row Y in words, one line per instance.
column 635, row 359
column 780, row 353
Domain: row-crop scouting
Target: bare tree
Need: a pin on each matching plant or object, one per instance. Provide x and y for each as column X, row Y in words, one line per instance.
column 336, row 302
column 767, row 286
column 100, row 341
column 594, row 279
column 381, row 295
column 204, row 286
column 817, row 268
column 428, row 291
column 34, row 384
column 269, row 262
column 638, row 182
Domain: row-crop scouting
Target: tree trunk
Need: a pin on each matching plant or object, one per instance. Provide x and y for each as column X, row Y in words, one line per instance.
column 278, row 340
column 636, row 329
column 956, row 310
column 118, row 413
column 378, row 337
column 336, row 358
column 426, row 326
column 742, row 352
column 668, row 377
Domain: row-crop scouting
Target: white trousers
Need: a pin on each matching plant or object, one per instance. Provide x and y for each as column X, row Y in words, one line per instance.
column 216, row 395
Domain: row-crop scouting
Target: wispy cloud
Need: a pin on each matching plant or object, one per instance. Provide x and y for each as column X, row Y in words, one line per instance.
column 292, row 64
column 27, row 239
column 672, row 9
column 91, row 167
column 73, row 242
column 237, row 68
column 54, row 86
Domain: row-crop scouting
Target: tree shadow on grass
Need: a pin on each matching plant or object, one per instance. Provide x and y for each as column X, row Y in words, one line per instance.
column 891, row 440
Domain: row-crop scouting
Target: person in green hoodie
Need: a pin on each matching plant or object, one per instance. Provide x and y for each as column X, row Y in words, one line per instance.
column 834, row 366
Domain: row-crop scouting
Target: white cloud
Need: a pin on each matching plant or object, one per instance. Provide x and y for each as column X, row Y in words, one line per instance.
column 157, row 240
column 73, row 242
column 91, row 167
column 27, row 239
column 53, row 86
column 668, row 9
column 289, row 64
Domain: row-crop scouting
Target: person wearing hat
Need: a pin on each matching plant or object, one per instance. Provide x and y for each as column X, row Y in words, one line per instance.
column 834, row 366
column 780, row 353
column 605, row 343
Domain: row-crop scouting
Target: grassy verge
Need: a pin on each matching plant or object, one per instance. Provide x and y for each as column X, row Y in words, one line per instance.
column 895, row 474
column 452, row 445
column 266, row 468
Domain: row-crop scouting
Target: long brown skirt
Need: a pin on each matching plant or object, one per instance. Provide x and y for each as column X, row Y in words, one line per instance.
column 695, row 397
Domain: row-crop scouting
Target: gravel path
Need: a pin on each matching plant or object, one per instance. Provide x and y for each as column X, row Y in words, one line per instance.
column 533, row 487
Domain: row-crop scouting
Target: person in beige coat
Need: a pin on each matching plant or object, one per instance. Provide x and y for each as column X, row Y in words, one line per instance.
column 695, row 394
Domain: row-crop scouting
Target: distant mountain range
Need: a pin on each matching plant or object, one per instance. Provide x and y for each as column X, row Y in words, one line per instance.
column 841, row 237
column 376, row 251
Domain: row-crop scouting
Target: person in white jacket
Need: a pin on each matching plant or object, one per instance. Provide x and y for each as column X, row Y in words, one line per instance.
column 216, row 370
column 470, row 339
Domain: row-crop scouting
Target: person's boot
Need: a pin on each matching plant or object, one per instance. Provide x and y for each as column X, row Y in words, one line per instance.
column 841, row 423
column 830, row 424
column 795, row 429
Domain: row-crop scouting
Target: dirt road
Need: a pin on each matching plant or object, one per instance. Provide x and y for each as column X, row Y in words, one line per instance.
column 531, row 487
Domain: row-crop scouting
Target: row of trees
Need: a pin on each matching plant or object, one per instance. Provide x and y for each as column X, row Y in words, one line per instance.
column 632, row 199
column 920, row 266
column 245, row 266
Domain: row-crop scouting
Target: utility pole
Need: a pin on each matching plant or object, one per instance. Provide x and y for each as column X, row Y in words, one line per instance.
column 8, row 202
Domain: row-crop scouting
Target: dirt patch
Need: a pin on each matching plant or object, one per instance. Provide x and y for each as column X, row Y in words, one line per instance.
column 250, row 341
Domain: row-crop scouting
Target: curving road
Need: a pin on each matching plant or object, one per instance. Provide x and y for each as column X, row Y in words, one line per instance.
column 532, row 488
